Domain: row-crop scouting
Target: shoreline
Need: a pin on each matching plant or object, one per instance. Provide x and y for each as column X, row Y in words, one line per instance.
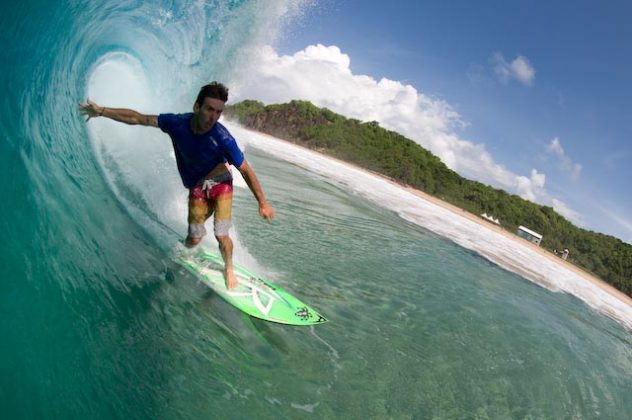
column 599, row 283
column 603, row 285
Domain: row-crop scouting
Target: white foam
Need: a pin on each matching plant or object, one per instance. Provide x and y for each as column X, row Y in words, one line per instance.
column 506, row 252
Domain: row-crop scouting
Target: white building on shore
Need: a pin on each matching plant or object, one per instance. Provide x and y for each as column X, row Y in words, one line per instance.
column 529, row 235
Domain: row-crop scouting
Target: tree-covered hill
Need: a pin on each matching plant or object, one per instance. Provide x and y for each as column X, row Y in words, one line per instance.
column 368, row 145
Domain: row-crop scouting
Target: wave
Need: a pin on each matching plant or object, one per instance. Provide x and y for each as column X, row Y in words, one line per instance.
column 84, row 190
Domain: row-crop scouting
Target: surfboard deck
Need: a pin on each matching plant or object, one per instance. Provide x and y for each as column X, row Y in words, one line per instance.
column 254, row 295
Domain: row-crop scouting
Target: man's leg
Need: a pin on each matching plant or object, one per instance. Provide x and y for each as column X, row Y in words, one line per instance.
column 198, row 213
column 190, row 242
column 226, row 249
column 222, row 207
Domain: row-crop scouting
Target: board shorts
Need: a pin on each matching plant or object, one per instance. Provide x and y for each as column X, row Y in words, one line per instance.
column 211, row 197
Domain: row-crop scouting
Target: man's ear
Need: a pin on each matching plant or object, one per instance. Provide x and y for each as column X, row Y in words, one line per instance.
column 196, row 107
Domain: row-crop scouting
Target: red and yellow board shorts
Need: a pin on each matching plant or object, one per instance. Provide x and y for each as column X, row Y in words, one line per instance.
column 211, row 197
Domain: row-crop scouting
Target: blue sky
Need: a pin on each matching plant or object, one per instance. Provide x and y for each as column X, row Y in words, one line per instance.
column 530, row 96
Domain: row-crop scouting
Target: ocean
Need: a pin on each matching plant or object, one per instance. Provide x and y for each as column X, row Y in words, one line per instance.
column 431, row 316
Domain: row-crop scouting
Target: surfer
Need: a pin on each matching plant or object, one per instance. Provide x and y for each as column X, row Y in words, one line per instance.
column 204, row 150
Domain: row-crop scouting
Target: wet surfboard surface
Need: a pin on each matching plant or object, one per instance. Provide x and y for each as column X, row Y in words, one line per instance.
column 254, row 295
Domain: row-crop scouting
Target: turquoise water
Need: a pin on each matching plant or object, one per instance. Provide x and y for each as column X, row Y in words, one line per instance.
column 96, row 322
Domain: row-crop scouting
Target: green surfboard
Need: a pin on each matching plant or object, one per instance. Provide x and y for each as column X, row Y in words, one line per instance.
column 254, row 295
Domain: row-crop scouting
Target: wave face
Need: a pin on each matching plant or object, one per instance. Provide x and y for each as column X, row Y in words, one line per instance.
column 152, row 56
column 97, row 322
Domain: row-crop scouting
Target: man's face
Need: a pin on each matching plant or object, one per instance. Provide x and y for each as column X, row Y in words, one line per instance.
column 209, row 112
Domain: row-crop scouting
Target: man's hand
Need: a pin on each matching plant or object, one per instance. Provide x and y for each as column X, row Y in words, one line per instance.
column 91, row 109
column 266, row 211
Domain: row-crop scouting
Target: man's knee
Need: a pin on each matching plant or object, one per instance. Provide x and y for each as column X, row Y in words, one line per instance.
column 191, row 242
column 196, row 231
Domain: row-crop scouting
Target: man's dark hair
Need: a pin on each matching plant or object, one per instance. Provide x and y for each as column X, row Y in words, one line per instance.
column 214, row 90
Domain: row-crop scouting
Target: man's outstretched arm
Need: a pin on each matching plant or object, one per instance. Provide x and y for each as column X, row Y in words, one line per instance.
column 124, row 115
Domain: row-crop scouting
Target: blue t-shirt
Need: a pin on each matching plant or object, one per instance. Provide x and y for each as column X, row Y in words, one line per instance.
column 197, row 155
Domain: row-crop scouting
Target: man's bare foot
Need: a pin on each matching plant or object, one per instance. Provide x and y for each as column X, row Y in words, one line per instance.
column 190, row 242
column 231, row 279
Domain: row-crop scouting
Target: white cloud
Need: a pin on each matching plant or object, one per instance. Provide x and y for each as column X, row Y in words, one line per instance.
column 566, row 163
column 567, row 212
column 626, row 224
column 322, row 75
column 519, row 69
column 531, row 188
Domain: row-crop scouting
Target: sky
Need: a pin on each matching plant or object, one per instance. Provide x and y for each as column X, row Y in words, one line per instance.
column 533, row 97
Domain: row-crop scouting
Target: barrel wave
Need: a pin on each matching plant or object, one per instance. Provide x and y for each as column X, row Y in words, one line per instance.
column 85, row 219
